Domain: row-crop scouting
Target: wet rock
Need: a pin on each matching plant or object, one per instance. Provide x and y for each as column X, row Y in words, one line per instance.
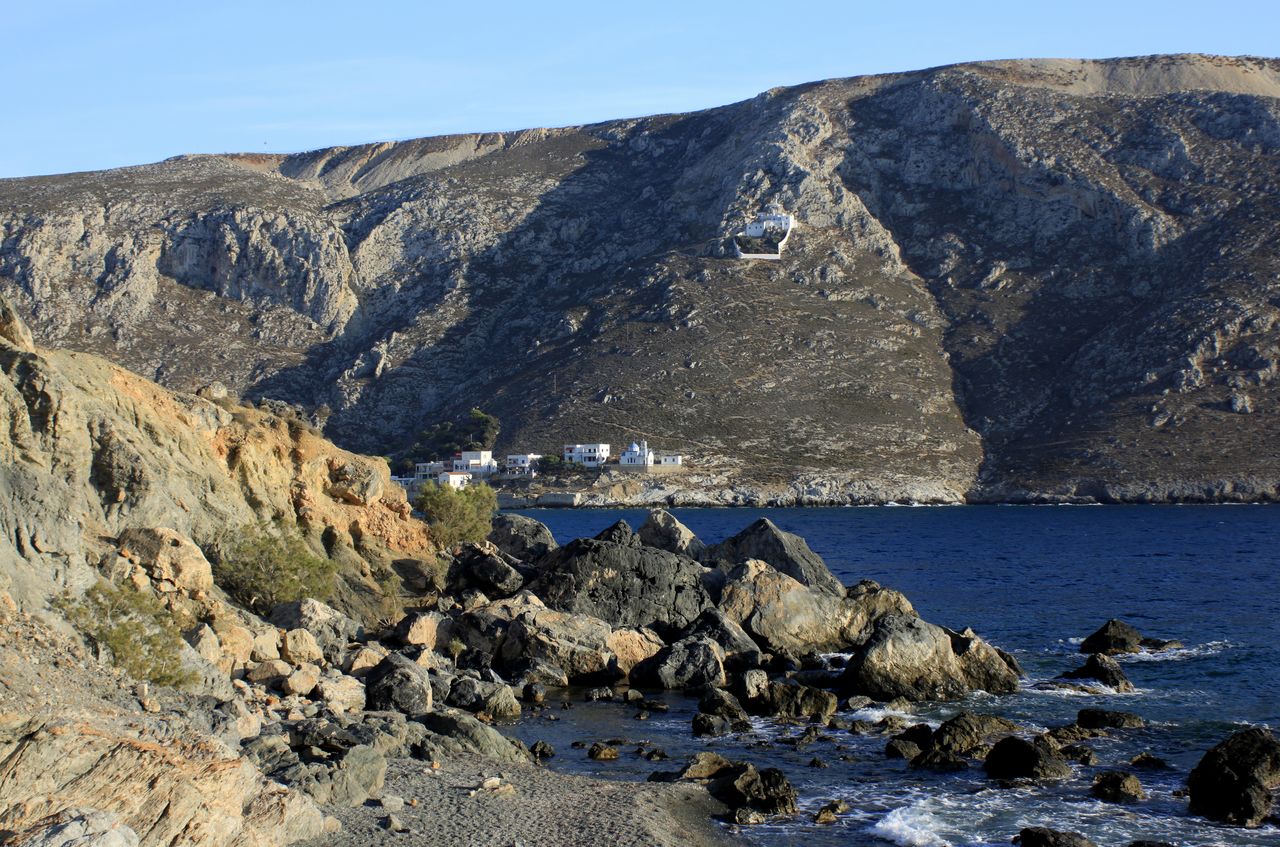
column 1117, row 787
column 521, row 537
column 1147, row 761
column 332, row 630
column 664, row 531
column 693, row 662
column 1108, row 719
column 766, row 791
column 792, row 700
column 542, row 750
column 602, row 752
column 398, row 684
column 968, row 732
column 1017, row 758
column 1233, row 782
column 829, row 812
column 705, row 725
column 899, row 748
column 784, row 551
column 1038, row 836
column 1112, row 638
column 939, row 761
column 716, row 701
column 623, row 584
column 908, row 657
column 1104, row 669
column 1080, row 754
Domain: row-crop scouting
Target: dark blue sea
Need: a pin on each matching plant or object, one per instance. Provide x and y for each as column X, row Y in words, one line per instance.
column 1034, row 581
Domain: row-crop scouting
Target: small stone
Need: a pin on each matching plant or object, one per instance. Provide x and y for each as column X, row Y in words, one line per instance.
column 391, row 802
column 394, row 824
column 602, row 752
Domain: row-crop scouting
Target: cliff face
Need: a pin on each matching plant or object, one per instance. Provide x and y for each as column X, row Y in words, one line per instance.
column 1041, row 278
column 90, row 449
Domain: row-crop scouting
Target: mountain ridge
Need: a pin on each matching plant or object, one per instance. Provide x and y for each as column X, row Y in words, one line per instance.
column 1010, row 279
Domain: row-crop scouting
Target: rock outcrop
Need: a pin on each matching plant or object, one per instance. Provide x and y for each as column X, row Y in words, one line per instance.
column 1234, row 780
column 999, row 310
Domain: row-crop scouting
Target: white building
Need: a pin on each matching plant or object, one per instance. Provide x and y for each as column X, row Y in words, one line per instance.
column 454, row 479
column 636, row 456
column 523, row 464
column 588, row 455
column 405, row 482
column 671, row 460
column 427, row 470
column 476, row 462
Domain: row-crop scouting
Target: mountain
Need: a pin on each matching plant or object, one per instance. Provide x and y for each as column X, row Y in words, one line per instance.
column 1040, row 279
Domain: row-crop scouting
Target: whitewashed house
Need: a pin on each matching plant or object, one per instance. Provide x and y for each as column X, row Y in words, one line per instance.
column 523, row 464
column 475, row 462
column 588, row 455
column 454, row 479
column 636, row 456
column 671, row 460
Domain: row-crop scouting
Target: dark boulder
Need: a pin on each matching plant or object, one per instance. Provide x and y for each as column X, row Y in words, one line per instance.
column 791, row 700
column 486, row 570
column 1117, row 787
column 453, row 732
column 1038, row 836
column 1234, row 780
column 742, row 785
column 693, row 662
column 521, row 538
column 1018, row 758
column 619, row 532
column 1113, row 637
column 968, row 732
column 332, row 630
column 1108, row 719
column 718, row 702
column 901, row 748
column 711, row 725
column 398, row 684
column 1104, row 669
column 939, row 761
column 624, row 585
column 785, row 551
column 740, row 652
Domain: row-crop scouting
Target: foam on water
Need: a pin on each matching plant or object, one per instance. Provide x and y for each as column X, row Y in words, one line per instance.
column 911, row 826
column 1179, row 654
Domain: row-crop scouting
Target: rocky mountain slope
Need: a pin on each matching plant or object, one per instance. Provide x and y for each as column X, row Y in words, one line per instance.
column 1046, row 278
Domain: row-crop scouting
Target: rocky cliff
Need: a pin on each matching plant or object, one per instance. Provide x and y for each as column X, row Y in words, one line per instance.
column 1048, row 278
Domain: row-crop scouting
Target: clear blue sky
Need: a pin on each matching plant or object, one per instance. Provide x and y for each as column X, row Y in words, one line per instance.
column 94, row 84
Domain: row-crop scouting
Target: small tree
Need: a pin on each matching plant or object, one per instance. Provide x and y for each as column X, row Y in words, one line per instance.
column 457, row 515
column 136, row 628
column 272, row 565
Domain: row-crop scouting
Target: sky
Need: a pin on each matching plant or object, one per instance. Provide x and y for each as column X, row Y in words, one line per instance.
column 93, row 84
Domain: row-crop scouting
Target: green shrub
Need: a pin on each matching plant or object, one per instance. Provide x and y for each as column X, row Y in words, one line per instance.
column 272, row 564
column 457, row 515
column 143, row 638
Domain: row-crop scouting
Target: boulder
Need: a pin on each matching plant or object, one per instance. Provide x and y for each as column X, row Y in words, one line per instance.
column 236, row 643
column 341, row 693
column 424, row 629
column 459, row 732
column 742, row 785
column 1038, row 836
column 483, row 567
column 78, row 828
column 358, row 483
column 172, row 561
column 398, row 684
column 495, row 699
column 1018, row 758
column 1108, row 719
column 692, row 662
column 577, row 644
column 1113, row 637
column 360, row 772
column 1233, row 781
column 357, row 659
column 662, row 530
column 740, row 651
column 269, row 672
column 332, row 630
column 720, row 703
column 786, row 552
column 632, row 646
column 1117, row 787
column 302, row 681
column 968, row 732
column 1104, row 669
column 784, row 616
column 939, row 761
column 705, row 725
column 625, row 585
column 298, row 647
column 790, row 699
column 521, row 538
column 908, row 657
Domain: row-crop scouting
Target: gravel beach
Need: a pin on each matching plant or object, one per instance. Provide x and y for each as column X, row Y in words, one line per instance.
column 545, row 809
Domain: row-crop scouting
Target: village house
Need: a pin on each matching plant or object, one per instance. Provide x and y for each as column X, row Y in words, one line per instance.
column 523, row 464
column 475, row 462
column 454, row 479
column 587, row 455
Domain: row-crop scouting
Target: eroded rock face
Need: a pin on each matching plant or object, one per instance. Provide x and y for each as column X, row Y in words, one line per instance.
column 911, row 658
column 784, row 551
column 623, row 584
column 662, row 530
column 521, row 537
column 1234, row 780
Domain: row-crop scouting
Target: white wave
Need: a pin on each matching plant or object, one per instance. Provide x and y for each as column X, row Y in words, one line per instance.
column 1078, row 640
column 1179, row 654
column 910, row 826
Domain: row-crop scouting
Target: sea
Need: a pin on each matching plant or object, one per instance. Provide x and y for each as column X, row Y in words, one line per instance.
column 1033, row 580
